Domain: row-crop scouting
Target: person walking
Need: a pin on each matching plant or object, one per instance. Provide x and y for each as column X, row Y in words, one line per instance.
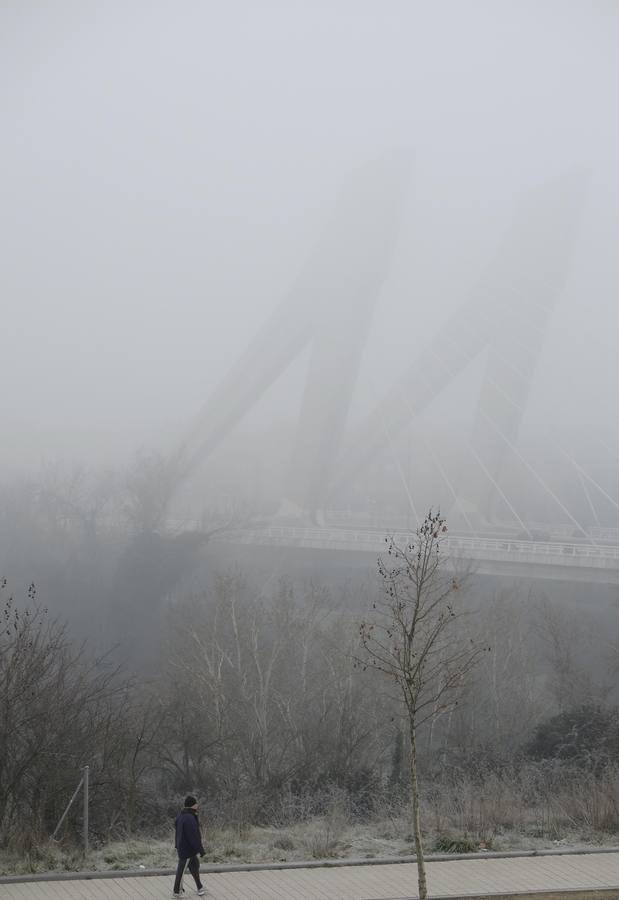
column 188, row 845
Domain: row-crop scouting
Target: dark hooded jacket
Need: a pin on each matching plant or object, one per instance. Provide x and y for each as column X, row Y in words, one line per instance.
column 188, row 836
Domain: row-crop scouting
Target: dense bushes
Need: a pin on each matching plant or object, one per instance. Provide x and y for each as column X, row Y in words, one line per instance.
column 587, row 736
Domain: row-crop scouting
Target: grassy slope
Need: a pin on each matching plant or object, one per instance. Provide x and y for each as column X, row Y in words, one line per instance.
column 316, row 839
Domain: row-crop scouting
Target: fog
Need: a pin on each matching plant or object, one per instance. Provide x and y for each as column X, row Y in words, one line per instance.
column 277, row 278
column 167, row 172
column 351, row 256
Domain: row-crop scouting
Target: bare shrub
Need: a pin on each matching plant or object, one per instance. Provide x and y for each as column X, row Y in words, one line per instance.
column 284, row 842
column 325, row 833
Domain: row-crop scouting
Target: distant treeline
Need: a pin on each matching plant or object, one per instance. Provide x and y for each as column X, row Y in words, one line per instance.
column 257, row 708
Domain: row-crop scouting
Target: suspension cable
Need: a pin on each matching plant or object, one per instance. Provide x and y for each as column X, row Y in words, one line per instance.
column 436, row 460
column 403, row 478
column 517, row 453
column 497, row 487
column 584, row 474
column 538, row 478
column 587, row 494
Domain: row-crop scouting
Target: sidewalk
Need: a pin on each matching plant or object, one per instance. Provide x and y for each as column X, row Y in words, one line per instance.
column 555, row 876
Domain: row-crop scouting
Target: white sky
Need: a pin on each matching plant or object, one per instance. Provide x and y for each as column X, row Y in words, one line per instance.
column 165, row 168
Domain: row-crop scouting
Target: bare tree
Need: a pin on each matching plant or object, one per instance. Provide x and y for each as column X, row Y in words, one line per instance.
column 274, row 708
column 411, row 638
column 150, row 484
column 56, row 707
column 571, row 647
column 73, row 499
column 504, row 698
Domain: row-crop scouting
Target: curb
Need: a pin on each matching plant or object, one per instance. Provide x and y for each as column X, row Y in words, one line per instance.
column 547, row 894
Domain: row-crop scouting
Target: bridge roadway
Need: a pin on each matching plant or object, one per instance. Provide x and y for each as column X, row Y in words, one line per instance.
column 577, row 876
column 557, row 560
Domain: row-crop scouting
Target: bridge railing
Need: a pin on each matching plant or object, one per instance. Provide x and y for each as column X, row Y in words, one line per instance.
column 544, row 548
column 555, row 533
column 452, row 544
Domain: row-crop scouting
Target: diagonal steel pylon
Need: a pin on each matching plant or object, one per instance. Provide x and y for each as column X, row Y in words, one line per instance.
column 506, row 316
column 330, row 305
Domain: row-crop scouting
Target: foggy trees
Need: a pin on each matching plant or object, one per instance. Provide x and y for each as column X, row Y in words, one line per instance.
column 506, row 692
column 272, row 701
column 251, row 699
column 149, row 485
column 61, row 709
column 255, row 705
column 76, row 499
column 57, row 713
column 586, row 735
column 411, row 639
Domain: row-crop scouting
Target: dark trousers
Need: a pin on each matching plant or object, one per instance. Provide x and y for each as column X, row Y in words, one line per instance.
column 193, row 864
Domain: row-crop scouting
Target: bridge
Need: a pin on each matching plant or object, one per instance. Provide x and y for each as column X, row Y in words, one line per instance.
column 557, row 560
column 503, row 322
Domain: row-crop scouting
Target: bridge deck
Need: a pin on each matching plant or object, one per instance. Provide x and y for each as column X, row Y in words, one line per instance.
column 581, row 561
column 454, row 878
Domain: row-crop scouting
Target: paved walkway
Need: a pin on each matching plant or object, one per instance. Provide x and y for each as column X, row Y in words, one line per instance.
column 558, row 875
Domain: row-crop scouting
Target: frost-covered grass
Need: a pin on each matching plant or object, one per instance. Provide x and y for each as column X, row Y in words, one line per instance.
column 318, row 838
column 528, row 809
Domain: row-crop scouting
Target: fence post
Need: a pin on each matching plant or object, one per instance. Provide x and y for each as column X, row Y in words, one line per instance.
column 85, row 771
column 69, row 804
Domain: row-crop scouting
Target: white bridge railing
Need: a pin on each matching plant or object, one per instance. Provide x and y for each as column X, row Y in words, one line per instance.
column 553, row 532
column 500, row 548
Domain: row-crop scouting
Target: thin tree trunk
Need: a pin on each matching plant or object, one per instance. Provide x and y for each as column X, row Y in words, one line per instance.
column 421, row 867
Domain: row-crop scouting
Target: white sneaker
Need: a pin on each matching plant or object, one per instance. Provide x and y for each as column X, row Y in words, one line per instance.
column 201, row 892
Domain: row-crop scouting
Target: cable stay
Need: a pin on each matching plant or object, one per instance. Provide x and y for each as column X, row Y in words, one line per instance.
column 483, row 467
column 539, row 479
column 587, row 494
column 530, row 468
column 498, row 488
column 457, row 499
column 403, row 479
column 592, row 481
column 436, row 460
